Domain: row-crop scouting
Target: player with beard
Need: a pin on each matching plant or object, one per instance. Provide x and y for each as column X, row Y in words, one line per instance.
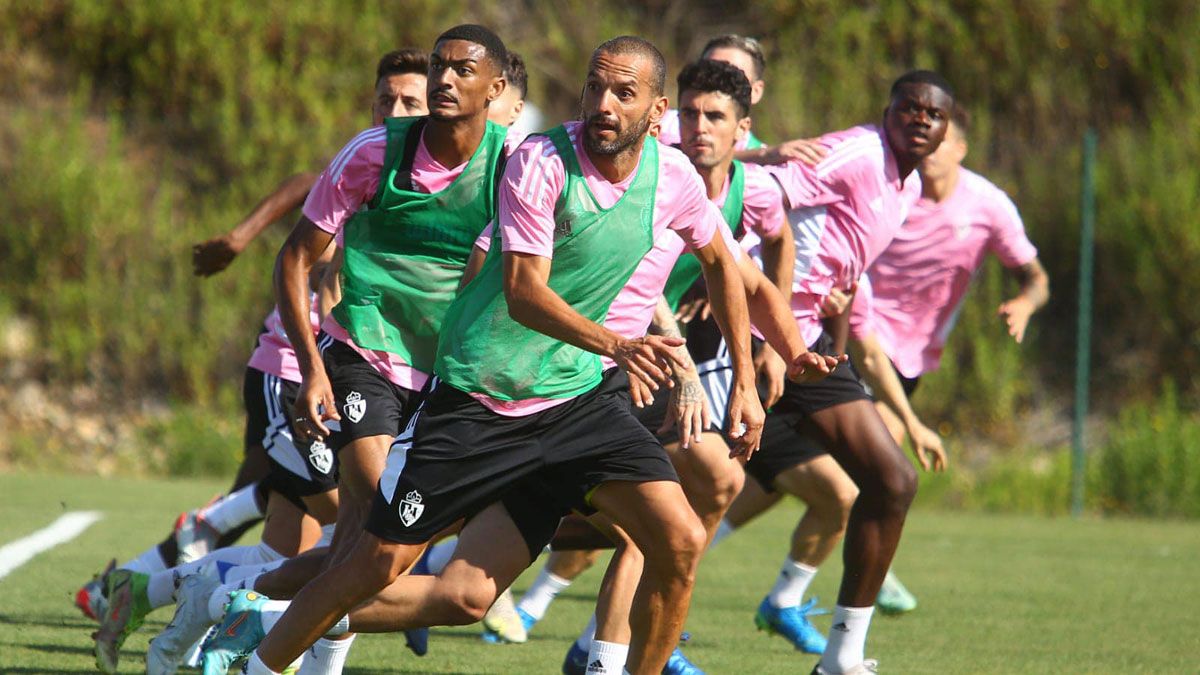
column 525, row 422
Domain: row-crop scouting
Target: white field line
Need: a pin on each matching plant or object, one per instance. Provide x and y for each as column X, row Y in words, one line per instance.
column 67, row 527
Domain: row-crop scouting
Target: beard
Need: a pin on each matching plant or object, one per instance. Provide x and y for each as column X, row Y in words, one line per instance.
column 625, row 139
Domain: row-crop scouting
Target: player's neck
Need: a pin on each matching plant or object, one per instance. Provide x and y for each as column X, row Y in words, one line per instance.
column 617, row 167
column 453, row 142
column 938, row 190
column 715, row 177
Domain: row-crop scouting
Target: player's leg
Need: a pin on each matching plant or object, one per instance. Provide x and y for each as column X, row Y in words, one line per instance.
column 753, row 501
column 657, row 517
column 861, row 443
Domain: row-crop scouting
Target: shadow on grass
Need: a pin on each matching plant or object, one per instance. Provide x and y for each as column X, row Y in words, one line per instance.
column 48, row 621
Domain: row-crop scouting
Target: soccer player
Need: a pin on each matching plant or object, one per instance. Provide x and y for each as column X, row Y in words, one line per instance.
column 522, row 394
column 907, row 305
column 714, row 112
column 845, row 211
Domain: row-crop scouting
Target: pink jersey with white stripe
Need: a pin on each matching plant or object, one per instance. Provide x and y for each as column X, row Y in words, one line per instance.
column 843, row 213
column 914, row 290
column 347, row 184
column 532, row 182
column 274, row 354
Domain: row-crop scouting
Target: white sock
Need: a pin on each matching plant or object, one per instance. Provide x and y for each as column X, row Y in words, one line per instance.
column 255, row 666
column 326, row 657
column 232, row 510
column 245, row 575
column 160, row 589
column 148, row 562
column 847, row 638
column 791, row 583
column 545, row 588
column 723, row 530
column 440, row 554
column 584, row 641
column 249, row 558
column 606, row 658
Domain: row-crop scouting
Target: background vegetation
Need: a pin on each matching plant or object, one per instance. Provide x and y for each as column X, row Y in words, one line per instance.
column 133, row 129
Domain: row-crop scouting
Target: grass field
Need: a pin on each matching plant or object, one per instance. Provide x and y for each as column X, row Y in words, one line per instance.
column 999, row 594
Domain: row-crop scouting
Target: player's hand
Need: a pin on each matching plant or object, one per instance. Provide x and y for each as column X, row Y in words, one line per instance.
column 807, row 150
column 1016, row 313
column 746, row 419
column 771, row 371
column 687, row 409
column 649, row 362
column 214, row 255
column 314, row 406
column 837, row 301
column 927, row 443
column 811, row 366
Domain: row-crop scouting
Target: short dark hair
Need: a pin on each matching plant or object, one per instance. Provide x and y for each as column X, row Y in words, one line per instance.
column 515, row 73
column 492, row 45
column 407, row 61
column 749, row 45
column 922, row 77
column 632, row 44
column 708, row 75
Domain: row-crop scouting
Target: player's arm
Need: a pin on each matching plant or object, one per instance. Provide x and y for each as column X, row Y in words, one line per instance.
column 881, row 376
column 727, row 295
column 688, row 407
column 807, row 150
column 773, row 316
column 329, row 288
column 216, row 254
column 533, row 304
column 1035, row 292
column 301, row 251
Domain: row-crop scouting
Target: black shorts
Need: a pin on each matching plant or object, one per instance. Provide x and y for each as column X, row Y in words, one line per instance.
column 457, row 457
column 653, row 416
column 369, row 403
column 297, row 469
column 789, row 438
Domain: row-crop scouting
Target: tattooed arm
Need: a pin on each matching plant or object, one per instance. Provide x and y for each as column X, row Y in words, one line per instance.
column 688, row 405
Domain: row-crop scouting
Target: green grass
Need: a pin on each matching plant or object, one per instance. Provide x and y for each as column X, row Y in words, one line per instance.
column 999, row 594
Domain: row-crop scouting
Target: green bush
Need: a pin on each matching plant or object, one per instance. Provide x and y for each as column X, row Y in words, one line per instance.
column 1150, row 463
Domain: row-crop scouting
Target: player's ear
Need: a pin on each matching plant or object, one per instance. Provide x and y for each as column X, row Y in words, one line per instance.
column 757, row 89
column 658, row 109
column 497, row 88
column 743, row 127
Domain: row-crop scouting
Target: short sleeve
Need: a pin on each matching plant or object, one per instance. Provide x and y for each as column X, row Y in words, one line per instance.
column 484, row 241
column 1008, row 239
column 694, row 217
column 350, row 181
column 532, row 181
column 762, row 203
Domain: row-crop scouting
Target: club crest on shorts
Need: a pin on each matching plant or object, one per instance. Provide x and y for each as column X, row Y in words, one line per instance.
column 355, row 406
column 411, row 508
column 320, row 456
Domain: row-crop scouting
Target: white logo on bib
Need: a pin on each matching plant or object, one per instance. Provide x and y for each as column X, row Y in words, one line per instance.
column 320, row 456
column 411, row 508
column 355, row 406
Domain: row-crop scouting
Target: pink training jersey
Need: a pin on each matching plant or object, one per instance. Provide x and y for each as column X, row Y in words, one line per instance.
column 843, row 213
column 669, row 132
column 911, row 295
column 274, row 354
column 532, row 183
column 348, row 183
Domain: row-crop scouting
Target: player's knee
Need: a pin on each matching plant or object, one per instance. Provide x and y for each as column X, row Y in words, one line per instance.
column 466, row 603
column 726, row 488
column 681, row 550
column 900, row 486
